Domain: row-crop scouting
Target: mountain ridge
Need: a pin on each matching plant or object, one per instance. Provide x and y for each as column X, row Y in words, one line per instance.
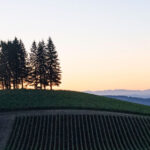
column 122, row 92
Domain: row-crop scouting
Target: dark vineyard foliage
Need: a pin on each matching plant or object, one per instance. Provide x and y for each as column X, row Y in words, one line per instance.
column 80, row 132
column 39, row 69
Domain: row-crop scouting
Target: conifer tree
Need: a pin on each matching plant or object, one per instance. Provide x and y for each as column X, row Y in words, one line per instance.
column 52, row 65
column 33, row 75
column 5, row 71
column 41, row 63
column 14, row 62
column 42, row 69
column 23, row 71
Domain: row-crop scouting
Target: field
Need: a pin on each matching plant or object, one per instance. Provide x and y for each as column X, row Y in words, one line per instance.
column 42, row 99
column 67, row 120
column 80, row 132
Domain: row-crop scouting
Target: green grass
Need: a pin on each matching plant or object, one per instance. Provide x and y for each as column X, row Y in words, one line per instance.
column 43, row 99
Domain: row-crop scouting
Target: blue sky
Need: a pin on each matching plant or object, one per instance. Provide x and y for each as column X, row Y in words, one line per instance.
column 104, row 43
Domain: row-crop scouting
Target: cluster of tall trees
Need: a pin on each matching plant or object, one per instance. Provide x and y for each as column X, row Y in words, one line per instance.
column 40, row 68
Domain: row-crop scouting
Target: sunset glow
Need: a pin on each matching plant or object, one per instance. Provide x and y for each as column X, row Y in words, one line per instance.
column 101, row 44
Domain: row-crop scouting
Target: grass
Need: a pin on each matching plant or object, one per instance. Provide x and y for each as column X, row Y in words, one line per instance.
column 43, row 99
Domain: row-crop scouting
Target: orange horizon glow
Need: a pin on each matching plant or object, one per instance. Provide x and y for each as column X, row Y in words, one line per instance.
column 101, row 44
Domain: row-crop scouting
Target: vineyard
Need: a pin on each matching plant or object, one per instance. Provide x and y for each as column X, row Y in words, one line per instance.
column 80, row 132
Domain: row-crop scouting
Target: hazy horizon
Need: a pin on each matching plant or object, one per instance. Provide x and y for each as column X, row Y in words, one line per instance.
column 101, row 44
column 122, row 92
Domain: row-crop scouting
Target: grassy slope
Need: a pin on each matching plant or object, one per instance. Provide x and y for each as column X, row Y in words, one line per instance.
column 26, row 99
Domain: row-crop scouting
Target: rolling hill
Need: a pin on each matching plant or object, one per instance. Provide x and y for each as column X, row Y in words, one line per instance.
column 43, row 99
column 137, row 100
column 68, row 120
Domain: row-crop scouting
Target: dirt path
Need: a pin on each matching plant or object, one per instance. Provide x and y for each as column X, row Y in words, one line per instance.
column 63, row 111
column 6, row 124
column 7, row 119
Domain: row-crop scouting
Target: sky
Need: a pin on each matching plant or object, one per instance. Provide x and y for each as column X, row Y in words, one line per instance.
column 102, row 44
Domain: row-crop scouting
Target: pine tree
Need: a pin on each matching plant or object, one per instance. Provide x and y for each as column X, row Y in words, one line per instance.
column 33, row 75
column 23, row 72
column 15, row 62
column 41, row 63
column 1, row 71
column 5, row 71
column 52, row 65
column 42, row 69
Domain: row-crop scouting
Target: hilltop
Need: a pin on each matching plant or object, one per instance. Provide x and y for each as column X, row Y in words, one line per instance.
column 44, row 99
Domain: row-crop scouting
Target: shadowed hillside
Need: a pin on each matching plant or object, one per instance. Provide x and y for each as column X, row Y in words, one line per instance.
column 43, row 99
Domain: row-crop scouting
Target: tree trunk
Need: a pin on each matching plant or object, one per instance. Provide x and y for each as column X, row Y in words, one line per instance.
column 35, row 87
column 51, row 87
column 13, row 84
column 3, row 85
column 22, row 83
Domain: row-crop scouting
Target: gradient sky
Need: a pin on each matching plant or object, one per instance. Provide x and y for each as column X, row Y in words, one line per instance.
column 102, row 44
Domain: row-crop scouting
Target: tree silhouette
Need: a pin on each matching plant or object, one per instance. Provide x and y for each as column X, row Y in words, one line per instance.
column 33, row 73
column 5, row 71
column 52, row 65
column 23, row 72
column 41, row 61
column 40, row 70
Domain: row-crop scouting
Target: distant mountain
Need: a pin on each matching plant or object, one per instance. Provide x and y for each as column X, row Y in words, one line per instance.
column 144, row 101
column 121, row 92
